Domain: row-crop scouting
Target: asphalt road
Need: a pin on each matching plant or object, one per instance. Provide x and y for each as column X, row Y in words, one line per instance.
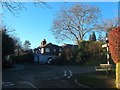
column 42, row 76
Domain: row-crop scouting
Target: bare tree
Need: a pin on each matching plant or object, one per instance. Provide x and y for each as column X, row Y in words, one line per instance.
column 13, row 7
column 73, row 23
column 16, row 7
column 108, row 24
column 27, row 45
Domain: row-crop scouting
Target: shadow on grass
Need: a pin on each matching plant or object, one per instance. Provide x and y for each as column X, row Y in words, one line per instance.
column 97, row 80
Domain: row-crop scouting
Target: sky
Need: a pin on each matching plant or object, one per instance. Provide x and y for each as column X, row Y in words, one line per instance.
column 34, row 23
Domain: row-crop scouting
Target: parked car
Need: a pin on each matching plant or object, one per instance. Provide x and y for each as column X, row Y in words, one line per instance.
column 49, row 60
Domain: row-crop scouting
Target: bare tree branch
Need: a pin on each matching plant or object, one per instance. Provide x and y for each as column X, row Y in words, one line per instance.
column 108, row 24
column 16, row 7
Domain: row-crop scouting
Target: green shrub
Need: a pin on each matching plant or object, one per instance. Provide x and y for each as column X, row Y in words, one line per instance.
column 88, row 53
column 28, row 58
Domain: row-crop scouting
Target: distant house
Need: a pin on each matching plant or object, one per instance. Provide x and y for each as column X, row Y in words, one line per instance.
column 69, row 46
column 19, row 51
column 45, row 52
column 68, row 50
column 49, row 51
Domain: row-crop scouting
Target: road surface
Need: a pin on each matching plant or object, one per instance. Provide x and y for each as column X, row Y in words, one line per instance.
column 42, row 76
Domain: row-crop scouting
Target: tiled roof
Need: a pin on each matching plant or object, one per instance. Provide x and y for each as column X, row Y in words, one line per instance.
column 50, row 45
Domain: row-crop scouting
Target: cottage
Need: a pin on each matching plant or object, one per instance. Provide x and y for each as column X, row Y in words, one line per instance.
column 46, row 52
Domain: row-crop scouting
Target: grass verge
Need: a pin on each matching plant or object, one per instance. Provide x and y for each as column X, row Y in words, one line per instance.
column 97, row 80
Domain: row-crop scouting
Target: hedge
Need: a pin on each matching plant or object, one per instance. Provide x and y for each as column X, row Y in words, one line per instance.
column 114, row 44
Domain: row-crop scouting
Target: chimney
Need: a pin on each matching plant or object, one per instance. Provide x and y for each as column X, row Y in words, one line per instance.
column 43, row 42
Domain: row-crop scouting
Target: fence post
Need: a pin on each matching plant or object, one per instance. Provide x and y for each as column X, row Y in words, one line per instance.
column 118, row 75
column 108, row 56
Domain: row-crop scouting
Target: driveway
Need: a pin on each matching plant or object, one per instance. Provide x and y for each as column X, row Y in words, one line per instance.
column 42, row 76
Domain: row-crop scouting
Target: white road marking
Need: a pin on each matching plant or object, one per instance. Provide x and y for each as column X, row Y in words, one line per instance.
column 31, row 85
column 26, row 82
column 69, row 74
column 8, row 83
column 80, row 84
column 65, row 73
column 20, row 82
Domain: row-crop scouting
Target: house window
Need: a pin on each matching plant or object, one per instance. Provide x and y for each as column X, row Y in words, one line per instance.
column 60, row 50
column 47, row 50
column 54, row 50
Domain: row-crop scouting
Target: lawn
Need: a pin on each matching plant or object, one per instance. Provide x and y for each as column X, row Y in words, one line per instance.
column 97, row 80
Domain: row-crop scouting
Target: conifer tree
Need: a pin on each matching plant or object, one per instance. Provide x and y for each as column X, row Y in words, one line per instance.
column 93, row 37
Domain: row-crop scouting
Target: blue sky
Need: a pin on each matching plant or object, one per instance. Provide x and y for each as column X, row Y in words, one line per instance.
column 34, row 24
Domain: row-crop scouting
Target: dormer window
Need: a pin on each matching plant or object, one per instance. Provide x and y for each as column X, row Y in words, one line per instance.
column 60, row 50
column 47, row 49
column 54, row 50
